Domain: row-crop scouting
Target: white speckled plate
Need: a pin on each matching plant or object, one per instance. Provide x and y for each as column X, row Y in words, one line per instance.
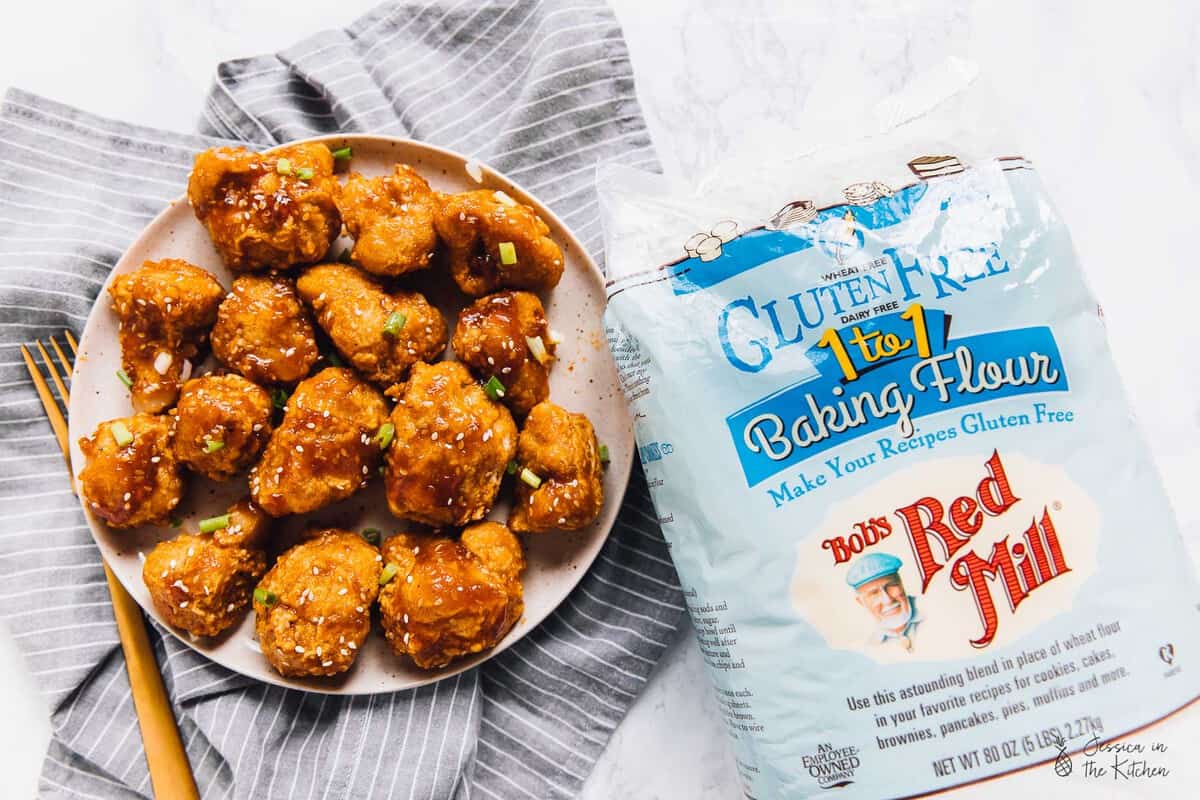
column 583, row 380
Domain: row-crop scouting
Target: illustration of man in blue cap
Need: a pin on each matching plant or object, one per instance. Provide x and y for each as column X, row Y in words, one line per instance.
column 875, row 579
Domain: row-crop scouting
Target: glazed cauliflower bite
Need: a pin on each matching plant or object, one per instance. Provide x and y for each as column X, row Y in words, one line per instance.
column 450, row 450
column 131, row 477
column 381, row 335
column 248, row 526
column 451, row 598
column 264, row 332
column 202, row 583
column 559, row 449
column 223, row 421
column 266, row 210
column 165, row 309
column 314, row 607
column 496, row 336
column 494, row 242
column 391, row 220
column 325, row 448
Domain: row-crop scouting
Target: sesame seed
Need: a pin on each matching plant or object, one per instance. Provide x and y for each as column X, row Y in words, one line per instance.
column 299, row 649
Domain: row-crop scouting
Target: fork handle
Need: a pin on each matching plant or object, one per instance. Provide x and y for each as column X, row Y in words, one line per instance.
column 170, row 773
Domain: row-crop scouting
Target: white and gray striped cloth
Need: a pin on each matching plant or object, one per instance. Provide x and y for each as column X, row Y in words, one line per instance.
column 540, row 89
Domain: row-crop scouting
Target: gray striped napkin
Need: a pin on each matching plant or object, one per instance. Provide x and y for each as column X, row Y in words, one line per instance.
column 542, row 91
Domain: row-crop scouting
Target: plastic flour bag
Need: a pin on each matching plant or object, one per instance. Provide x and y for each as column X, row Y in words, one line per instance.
column 920, row 537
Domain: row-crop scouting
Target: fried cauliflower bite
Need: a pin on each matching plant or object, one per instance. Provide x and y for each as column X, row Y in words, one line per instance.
column 355, row 311
column 266, row 210
column 222, row 423
column 248, row 526
column 131, row 477
column 325, row 448
column 391, row 220
column 314, row 607
column 264, row 332
column 494, row 337
column 494, row 242
column 560, row 449
column 451, row 598
column 165, row 309
column 201, row 585
column 450, row 450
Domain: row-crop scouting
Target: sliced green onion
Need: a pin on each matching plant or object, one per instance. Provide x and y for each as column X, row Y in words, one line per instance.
column 305, row 173
column 394, row 323
column 508, row 253
column 279, row 397
column 123, row 376
column 603, row 454
column 213, row 445
column 530, row 478
column 265, row 597
column 388, row 573
column 283, row 166
column 384, row 435
column 538, row 348
column 342, row 153
column 372, row 535
column 494, row 388
column 512, row 468
column 214, row 523
column 121, row 434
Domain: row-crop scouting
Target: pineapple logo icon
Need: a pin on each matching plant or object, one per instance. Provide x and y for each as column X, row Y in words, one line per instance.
column 1062, row 764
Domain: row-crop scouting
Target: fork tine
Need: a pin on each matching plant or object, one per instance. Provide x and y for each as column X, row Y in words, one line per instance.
column 71, row 341
column 57, row 423
column 62, row 389
column 62, row 358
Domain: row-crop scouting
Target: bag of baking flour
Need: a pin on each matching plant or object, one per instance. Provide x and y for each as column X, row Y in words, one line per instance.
column 919, row 534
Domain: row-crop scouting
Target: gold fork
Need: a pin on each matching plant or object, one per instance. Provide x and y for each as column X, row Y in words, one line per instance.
column 170, row 772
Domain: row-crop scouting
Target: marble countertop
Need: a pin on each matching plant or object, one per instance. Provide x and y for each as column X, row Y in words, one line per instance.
column 1106, row 102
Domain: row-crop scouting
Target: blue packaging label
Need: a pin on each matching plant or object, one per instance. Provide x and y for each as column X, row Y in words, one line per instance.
column 921, row 539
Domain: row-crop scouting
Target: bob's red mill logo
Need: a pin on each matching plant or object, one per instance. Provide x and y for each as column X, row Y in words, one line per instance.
column 938, row 532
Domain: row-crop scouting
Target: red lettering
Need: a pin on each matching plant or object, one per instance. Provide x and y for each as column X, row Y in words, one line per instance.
column 841, row 553
column 1018, row 579
column 965, row 514
column 919, row 531
column 994, row 492
column 971, row 572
